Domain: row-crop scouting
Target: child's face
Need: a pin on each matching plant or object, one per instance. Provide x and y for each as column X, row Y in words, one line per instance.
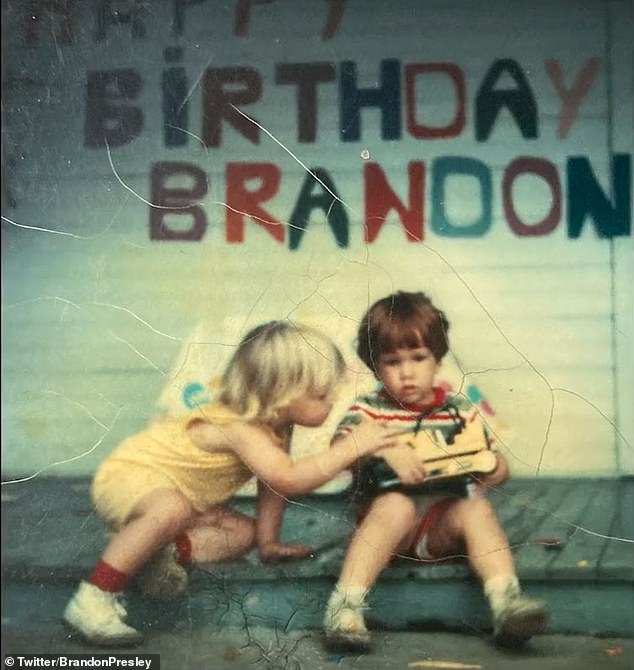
column 408, row 374
column 310, row 409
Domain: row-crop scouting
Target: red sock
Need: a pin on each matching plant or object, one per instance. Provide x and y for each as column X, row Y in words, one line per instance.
column 107, row 578
column 183, row 549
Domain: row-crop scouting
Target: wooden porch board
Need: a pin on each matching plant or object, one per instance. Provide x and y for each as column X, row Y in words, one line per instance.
column 579, row 559
column 617, row 561
column 531, row 559
column 588, row 582
column 547, row 498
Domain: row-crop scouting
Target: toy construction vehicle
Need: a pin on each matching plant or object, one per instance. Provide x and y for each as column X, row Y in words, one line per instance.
column 448, row 465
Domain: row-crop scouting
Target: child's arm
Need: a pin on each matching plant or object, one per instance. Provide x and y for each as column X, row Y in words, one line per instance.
column 273, row 465
column 270, row 512
column 406, row 463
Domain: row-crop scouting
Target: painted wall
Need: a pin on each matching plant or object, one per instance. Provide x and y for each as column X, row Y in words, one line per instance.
column 176, row 172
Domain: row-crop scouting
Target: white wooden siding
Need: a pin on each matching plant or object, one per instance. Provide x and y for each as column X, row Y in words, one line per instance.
column 96, row 320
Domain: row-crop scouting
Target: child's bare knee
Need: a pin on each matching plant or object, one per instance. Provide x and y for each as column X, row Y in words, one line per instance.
column 242, row 532
column 247, row 535
column 475, row 511
column 176, row 512
column 241, row 528
column 395, row 506
column 482, row 507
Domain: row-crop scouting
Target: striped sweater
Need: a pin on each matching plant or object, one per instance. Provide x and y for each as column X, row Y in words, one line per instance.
column 445, row 417
column 447, row 413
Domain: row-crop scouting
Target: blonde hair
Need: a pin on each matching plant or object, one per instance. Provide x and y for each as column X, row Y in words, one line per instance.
column 275, row 364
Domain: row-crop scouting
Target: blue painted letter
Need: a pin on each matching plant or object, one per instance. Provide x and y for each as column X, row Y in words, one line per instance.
column 442, row 168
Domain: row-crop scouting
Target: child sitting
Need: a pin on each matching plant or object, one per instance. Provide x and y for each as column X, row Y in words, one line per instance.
column 162, row 490
column 403, row 339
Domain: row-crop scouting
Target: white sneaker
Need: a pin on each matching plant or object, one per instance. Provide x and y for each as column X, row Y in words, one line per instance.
column 518, row 619
column 163, row 577
column 98, row 617
column 344, row 625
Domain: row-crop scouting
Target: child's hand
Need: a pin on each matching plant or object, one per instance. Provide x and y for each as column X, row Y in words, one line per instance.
column 369, row 436
column 275, row 552
column 405, row 462
column 495, row 478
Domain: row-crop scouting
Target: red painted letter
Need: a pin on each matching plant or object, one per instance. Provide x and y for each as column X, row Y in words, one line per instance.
column 334, row 18
column 421, row 130
column 219, row 104
column 548, row 172
column 243, row 15
column 380, row 199
column 242, row 202
column 571, row 98
column 306, row 76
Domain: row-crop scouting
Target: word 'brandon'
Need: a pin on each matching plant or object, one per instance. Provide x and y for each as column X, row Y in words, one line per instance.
column 177, row 213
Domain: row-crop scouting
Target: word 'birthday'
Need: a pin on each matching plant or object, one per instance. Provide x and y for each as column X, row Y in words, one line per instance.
column 115, row 116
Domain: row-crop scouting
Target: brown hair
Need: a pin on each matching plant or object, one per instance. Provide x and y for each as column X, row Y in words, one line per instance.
column 402, row 321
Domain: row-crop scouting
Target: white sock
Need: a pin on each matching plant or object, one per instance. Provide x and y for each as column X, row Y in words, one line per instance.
column 498, row 589
column 350, row 595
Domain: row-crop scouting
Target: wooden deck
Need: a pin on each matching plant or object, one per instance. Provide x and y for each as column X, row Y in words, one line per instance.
column 593, row 520
column 572, row 540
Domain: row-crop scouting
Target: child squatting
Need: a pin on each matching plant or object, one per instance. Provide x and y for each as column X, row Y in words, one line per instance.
column 162, row 491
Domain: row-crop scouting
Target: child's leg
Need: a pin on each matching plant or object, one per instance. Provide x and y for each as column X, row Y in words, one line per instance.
column 385, row 530
column 154, row 521
column 95, row 610
column 217, row 535
column 471, row 525
column 220, row 534
column 382, row 533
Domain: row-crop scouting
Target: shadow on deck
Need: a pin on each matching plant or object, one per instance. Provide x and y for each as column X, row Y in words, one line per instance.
column 52, row 538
